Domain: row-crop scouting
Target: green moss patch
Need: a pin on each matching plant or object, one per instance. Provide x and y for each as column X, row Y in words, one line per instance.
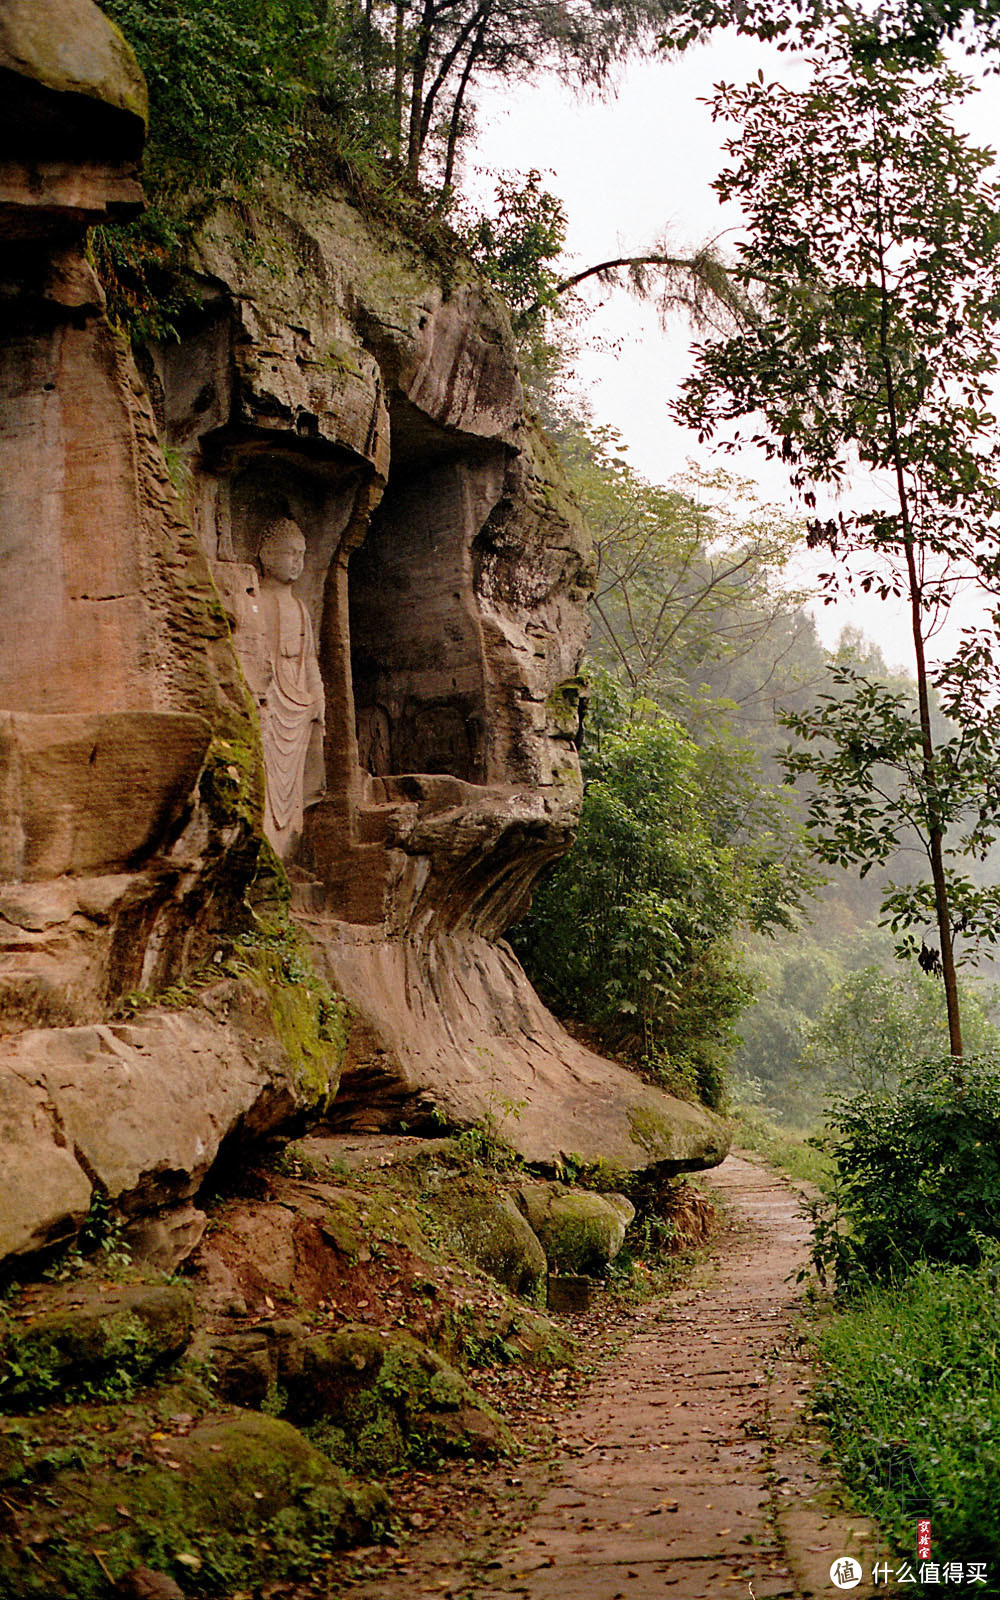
column 311, row 1021
column 234, row 1500
column 580, row 1232
column 377, row 1399
column 99, row 1343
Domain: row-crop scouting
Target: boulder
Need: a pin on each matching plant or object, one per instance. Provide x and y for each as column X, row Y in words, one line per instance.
column 142, row 1108
column 162, row 1241
column 250, row 1363
column 109, row 1338
column 246, row 1490
column 374, row 1400
column 451, row 1028
column 581, row 1232
column 482, row 1223
column 44, row 1192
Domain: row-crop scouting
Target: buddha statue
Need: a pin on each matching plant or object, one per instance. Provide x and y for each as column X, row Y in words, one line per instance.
column 292, row 717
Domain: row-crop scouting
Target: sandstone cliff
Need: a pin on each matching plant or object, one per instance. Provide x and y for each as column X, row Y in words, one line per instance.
column 329, row 372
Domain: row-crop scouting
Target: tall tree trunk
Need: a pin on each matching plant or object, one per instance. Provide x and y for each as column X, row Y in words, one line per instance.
column 447, row 62
column 420, row 58
column 935, row 822
column 455, row 125
column 398, row 72
column 366, row 46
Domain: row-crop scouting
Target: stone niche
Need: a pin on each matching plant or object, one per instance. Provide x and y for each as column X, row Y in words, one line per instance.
column 331, row 374
column 338, row 377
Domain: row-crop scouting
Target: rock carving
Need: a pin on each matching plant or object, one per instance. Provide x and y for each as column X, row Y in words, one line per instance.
column 294, row 712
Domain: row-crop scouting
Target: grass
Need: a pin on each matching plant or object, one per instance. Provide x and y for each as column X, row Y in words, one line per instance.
column 789, row 1149
column 910, row 1393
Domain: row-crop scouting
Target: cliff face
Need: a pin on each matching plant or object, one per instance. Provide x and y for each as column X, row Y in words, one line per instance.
column 331, row 376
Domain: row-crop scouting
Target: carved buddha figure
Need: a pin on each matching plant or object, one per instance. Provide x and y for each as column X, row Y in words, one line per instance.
column 292, row 718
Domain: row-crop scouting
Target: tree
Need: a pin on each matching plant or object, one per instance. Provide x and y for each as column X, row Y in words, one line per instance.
column 874, row 1024
column 903, row 30
column 690, row 578
column 437, row 51
column 873, row 254
column 633, row 932
column 228, row 83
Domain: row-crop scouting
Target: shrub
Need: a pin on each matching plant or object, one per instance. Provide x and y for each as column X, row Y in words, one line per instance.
column 635, row 932
column 916, row 1174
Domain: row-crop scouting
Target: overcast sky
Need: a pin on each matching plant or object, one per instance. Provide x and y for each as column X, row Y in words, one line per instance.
column 629, row 168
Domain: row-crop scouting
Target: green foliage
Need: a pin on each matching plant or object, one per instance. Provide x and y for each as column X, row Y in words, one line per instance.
column 228, row 89
column 864, row 752
column 874, row 1019
column 380, row 97
column 514, row 244
column 916, row 1175
column 910, row 1397
column 34, row 1370
column 892, row 31
column 227, row 84
column 835, row 1015
column 633, row 931
column 873, row 261
column 692, row 591
column 793, row 978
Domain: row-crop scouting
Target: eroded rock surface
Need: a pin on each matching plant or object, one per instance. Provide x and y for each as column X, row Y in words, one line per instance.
column 120, row 694
column 328, row 373
column 140, row 1110
column 371, row 395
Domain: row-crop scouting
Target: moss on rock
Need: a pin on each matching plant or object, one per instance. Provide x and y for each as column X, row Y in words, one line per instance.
column 375, row 1400
column 487, row 1228
column 237, row 1500
column 580, row 1232
column 311, row 1021
column 103, row 1341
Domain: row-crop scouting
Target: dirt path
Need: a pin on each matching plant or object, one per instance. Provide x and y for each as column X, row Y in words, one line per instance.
column 686, row 1470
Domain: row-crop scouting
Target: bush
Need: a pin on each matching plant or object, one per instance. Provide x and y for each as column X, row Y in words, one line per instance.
column 631, row 932
column 916, row 1175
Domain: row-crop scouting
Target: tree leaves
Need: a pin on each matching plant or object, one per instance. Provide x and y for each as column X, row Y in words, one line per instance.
column 873, row 252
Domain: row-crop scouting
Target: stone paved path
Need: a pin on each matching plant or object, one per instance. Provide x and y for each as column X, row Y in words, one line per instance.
column 695, row 1477
column 688, row 1471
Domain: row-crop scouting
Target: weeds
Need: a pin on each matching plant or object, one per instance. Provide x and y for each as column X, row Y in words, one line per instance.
column 911, row 1397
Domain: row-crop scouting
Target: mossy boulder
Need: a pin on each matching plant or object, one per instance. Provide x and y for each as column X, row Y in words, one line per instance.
column 238, row 1499
column 106, row 1340
column 486, row 1227
column 69, row 47
column 374, row 1400
column 580, row 1232
column 471, row 1216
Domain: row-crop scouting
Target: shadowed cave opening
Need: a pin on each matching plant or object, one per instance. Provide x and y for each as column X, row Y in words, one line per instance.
column 416, row 644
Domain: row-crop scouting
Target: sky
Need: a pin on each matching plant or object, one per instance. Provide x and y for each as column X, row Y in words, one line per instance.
column 630, row 168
